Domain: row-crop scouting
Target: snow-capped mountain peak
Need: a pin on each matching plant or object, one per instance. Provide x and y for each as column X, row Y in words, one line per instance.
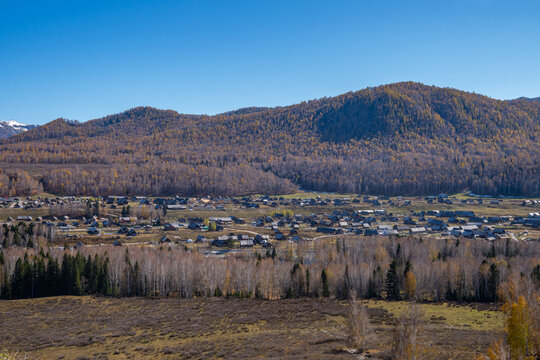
column 14, row 123
column 10, row 128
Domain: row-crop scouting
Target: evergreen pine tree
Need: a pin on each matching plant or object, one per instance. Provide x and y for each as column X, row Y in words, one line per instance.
column 76, row 287
column 6, row 287
column 52, row 277
column 297, row 288
column 372, row 292
column 29, row 279
column 324, row 280
column 392, row 282
column 137, row 285
column 96, row 265
column 66, row 275
column 88, row 276
column 493, row 282
column 39, row 277
column 536, row 272
column 16, row 238
column 104, row 287
column 308, row 282
column 17, row 280
column 408, row 267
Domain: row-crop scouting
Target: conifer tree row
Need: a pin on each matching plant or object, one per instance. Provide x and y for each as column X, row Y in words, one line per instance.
column 44, row 276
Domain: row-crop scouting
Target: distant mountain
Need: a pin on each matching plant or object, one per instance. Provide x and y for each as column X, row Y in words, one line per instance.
column 529, row 99
column 246, row 110
column 403, row 138
column 10, row 128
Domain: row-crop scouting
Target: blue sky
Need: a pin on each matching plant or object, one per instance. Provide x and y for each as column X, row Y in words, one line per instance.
column 86, row 59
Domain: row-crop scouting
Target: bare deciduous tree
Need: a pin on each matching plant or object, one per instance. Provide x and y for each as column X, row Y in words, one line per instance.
column 408, row 334
column 359, row 329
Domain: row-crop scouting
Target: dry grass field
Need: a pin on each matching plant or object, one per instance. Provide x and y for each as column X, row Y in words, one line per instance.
column 218, row 328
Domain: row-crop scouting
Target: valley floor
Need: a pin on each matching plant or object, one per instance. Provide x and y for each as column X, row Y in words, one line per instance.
column 219, row 328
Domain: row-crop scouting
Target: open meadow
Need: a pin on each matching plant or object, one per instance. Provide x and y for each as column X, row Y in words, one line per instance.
column 171, row 328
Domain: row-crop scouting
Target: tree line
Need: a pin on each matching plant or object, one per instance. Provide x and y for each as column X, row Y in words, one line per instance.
column 44, row 275
column 382, row 268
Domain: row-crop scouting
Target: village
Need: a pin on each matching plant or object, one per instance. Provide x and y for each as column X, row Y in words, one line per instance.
column 221, row 225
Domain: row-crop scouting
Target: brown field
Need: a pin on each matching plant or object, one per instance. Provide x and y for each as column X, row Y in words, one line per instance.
column 219, row 328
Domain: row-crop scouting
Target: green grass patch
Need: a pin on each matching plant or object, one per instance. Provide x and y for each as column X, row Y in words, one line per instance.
column 458, row 316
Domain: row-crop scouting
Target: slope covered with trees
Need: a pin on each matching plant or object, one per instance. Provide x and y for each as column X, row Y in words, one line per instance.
column 404, row 138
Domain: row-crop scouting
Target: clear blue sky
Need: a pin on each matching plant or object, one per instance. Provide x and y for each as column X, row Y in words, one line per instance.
column 85, row 59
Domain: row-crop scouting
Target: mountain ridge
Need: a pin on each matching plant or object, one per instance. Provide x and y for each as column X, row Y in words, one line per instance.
column 528, row 98
column 398, row 138
column 139, row 111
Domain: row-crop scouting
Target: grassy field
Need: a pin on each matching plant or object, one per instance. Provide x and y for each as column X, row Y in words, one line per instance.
column 457, row 316
column 218, row 328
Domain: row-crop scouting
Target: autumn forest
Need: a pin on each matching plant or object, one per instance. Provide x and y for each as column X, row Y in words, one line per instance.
column 403, row 138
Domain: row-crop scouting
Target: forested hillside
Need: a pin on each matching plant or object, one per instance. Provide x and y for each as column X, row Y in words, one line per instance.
column 404, row 138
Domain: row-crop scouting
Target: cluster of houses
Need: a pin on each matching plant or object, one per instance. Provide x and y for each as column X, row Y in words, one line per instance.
column 33, row 203
column 248, row 202
column 378, row 222
column 241, row 240
column 197, row 223
column 172, row 203
column 219, row 202
column 283, row 226
column 530, row 203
